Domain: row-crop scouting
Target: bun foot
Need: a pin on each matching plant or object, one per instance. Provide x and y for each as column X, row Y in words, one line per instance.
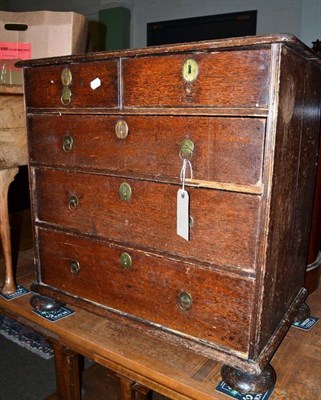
column 303, row 313
column 248, row 383
column 44, row 303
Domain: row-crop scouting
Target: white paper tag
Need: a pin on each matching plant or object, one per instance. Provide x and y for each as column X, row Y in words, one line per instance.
column 183, row 214
column 95, row 83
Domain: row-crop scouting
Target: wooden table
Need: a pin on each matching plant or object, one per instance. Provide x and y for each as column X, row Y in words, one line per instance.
column 143, row 361
column 13, row 153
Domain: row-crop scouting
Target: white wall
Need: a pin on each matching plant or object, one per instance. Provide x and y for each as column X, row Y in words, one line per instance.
column 300, row 17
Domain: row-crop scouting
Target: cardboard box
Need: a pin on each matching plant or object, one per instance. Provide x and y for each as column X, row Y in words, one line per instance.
column 38, row 34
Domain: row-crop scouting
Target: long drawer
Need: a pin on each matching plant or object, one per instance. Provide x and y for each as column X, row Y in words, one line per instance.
column 224, row 230
column 45, row 88
column 218, row 79
column 196, row 301
column 225, row 149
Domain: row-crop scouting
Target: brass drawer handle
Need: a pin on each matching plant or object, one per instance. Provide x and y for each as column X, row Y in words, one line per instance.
column 125, row 191
column 121, row 129
column 185, row 301
column 186, row 149
column 126, row 261
column 74, row 267
column 190, row 70
column 67, row 143
column 66, row 96
column 73, row 202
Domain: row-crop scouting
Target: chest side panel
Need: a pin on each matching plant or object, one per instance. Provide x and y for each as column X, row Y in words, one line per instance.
column 297, row 136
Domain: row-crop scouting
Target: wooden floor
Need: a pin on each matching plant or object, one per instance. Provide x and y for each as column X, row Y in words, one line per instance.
column 297, row 362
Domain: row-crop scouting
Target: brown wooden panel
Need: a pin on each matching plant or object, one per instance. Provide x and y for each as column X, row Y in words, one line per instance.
column 226, row 149
column 44, row 86
column 225, row 79
column 225, row 224
column 295, row 160
column 221, row 304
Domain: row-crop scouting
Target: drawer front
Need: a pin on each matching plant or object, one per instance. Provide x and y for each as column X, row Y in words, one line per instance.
column 45, row 85
column 225, row 225
column 224, row 79
column 153, row 288
column 225, row 149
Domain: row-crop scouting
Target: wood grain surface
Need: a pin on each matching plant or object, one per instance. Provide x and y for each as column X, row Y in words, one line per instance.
column 174, row 372
column 226, row 150
column 148, row 219
column 158, row 82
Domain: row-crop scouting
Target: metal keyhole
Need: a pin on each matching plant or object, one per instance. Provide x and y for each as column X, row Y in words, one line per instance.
column 190, row 70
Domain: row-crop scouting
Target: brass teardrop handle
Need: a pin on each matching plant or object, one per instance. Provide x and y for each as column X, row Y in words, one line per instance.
column 125, row 260
column 186, row 149
column 185, row 301
column 66, row 96
column 68, row 142
column 73, row 202
column 74, row 267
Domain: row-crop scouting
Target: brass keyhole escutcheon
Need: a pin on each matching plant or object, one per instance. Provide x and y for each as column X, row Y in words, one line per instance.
column 74, row 267
column 190, row 70
column 121, row 129
column 73, row 202
column 68, row 142
column 66, row 96
column 185, row 301
column 66, row 77
column 125, row 191
column 126, row 261
column 186, row 149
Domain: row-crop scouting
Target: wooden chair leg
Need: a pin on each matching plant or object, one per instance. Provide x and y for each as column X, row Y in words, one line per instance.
column 6, row 177
column 68, row 380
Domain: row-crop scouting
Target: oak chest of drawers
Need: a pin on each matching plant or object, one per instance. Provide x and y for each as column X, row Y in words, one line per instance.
column 108, row 136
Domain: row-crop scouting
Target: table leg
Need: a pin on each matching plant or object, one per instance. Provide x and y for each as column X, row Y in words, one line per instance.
column 125, row 388
column 141, row 392
column 6, row 177
column 67, row 373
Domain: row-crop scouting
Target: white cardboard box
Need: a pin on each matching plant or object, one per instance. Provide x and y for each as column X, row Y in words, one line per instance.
column 38, row 34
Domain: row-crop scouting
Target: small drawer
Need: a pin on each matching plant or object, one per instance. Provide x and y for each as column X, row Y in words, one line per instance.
column 224, row 229
column 205, row 304
column 92, row 84
column 220, row 79
column 226, row 150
